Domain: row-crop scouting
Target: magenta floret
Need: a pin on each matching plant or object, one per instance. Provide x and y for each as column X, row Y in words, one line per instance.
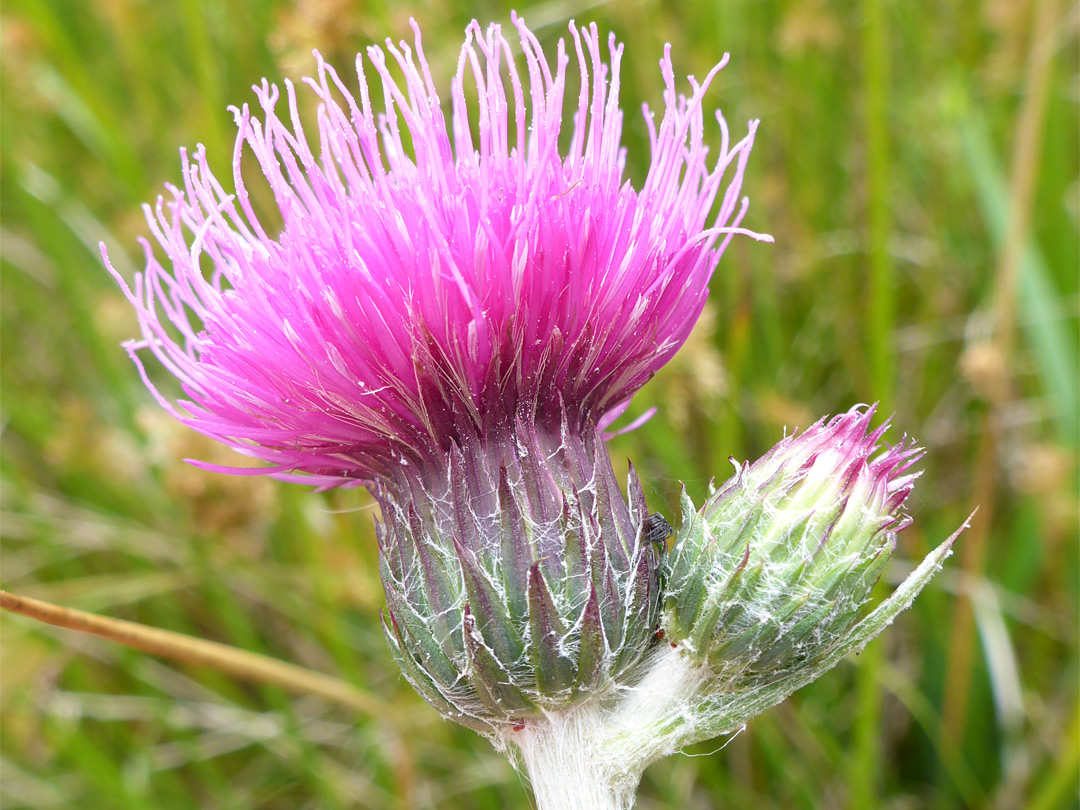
column 429, row 276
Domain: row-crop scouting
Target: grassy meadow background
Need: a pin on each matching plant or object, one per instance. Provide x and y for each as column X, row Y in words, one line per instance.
column 917, row 164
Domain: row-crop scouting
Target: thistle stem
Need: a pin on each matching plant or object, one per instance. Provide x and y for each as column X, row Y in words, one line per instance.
column 565, row 764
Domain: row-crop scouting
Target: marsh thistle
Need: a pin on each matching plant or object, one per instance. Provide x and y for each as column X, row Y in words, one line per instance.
column 460, row 294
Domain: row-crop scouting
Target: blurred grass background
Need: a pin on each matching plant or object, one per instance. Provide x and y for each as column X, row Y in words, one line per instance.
column 917, row 163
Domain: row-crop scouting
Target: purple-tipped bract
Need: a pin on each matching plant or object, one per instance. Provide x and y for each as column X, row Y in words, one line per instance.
column 432, row 276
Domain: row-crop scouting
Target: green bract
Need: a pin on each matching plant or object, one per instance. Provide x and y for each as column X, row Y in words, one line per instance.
column 519, row 580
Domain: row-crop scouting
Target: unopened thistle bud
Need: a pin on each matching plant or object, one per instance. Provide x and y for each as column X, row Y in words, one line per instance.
column 775, row 567
column 764, row 589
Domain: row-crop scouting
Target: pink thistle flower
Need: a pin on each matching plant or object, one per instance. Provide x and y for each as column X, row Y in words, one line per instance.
column 452, row 313
column 434, row 278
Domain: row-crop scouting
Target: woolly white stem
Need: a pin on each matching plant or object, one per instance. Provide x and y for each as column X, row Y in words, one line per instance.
column 567, row 767
column 591, row 757
column 658, row 714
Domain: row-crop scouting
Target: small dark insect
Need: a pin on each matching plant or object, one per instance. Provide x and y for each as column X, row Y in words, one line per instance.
column 657, row 530
column 659, row 633
column 519, row 727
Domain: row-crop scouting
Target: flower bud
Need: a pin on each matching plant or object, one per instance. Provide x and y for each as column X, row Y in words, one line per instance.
column 773, row 571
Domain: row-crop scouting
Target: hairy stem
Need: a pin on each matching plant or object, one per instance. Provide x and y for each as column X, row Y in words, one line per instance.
column 656, row 716
column 567, row 767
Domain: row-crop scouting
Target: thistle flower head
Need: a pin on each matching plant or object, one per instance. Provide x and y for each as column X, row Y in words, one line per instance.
column 435, row 274
column 452, row 311
column 456, row 300
column 773, row 571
